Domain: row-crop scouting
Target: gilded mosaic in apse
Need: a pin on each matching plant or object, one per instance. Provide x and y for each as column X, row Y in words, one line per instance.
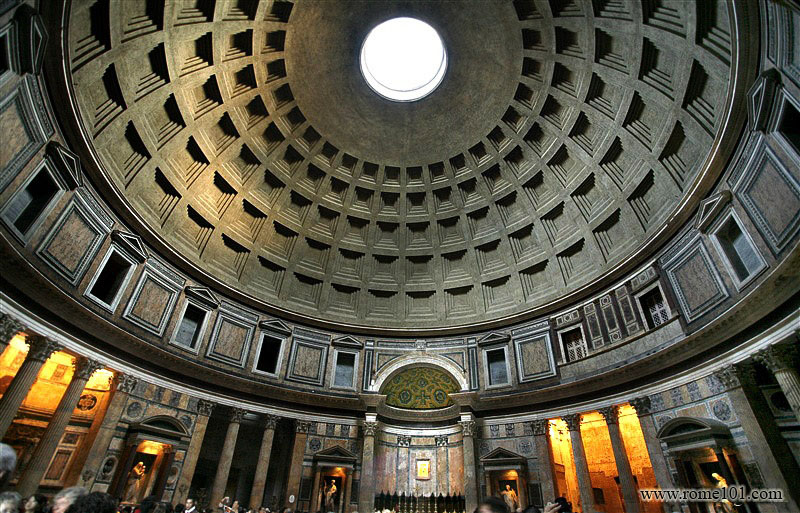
column 420, row 388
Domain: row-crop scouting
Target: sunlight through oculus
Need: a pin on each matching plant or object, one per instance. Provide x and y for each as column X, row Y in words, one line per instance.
column 403, row 59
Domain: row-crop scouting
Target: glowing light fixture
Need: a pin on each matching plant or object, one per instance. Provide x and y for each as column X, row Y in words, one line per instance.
column 403, row 59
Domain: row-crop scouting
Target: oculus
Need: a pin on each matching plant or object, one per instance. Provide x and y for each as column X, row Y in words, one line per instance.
column 403, row 59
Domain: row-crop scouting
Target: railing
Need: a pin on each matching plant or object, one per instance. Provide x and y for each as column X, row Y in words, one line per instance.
column 402, row 503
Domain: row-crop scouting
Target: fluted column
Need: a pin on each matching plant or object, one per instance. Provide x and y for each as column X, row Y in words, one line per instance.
column 660, row 469
column 260, row 479
column 37, row 465
column 296, row 466
column 441, row 464
column 626, row 482
column 226, row 456
column 366, row 492
column 39, row 350
column 581, row 465
column 9, row 327
column 544, row 456
column 470, row 479
column 204, row 410
column 125, row 384
column 780, row 361
column 770, row 450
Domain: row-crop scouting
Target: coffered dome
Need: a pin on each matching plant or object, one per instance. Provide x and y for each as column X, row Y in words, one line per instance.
column 566, row 141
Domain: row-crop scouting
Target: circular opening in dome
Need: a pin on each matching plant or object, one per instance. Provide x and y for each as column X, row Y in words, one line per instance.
column 403, row 59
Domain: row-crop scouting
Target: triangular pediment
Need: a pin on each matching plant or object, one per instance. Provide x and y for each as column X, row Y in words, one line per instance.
column 275, row 325
column 495, row 337
column 501, row 454
column 67, row 163
column 710, row 208
column 131, row 243
column 335, row 453
column 347, row 341
column 203, row 295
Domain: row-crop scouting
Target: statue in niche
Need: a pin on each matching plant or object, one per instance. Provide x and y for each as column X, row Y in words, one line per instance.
column 724, row 506
column 510, row 498
column 135, row 483
column 330, row 497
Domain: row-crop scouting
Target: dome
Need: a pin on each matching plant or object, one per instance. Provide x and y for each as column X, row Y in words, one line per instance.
column 557, row 152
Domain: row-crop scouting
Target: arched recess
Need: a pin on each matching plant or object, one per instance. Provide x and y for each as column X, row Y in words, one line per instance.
column 402, row 363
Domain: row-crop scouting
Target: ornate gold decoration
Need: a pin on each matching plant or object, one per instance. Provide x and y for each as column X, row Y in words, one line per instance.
column 420, row 388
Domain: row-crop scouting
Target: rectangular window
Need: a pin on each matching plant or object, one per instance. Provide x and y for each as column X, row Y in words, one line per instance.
column 190, row 327
column 345, row 370
column 574, row 345
column 654, row 308
column 496, row 362
column 269, row 355
column 738, row 250
column 109, row 280
column 28, row 204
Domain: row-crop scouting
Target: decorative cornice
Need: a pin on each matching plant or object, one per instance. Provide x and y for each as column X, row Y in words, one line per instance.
column 610, row 414
column 468, row 427
column 777, row 358
column 370, row 428
column 9, row 327
column 205, row 407
column 40, row 348
column 126, row 383
column 641, row 405
column 85, row 367
column 573, row 421
column 540, row 426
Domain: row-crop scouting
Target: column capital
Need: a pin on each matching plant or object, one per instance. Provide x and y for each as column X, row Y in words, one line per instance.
column 540, row 426
column 40, row 347
column 9, row 326
column 271, row 421
column 237, row 414
column 125, row 382
column 370, row 428
column 441, row 440
column 468, row 427
column 302, row 426
column 205, row 407
column 573, row 421
column 404, row 440
column 734, row 376
column 641, row 405
column 85, row 367
column 610, row 414
column 776, row 358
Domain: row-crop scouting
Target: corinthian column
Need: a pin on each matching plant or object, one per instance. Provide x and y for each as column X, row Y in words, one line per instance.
column 296, row 466
column 204, row 410
column 470, row 480
column 366, row 492
column 581, row 465
column 780, row 361
column 660, row 469
column 39, row 350
column 37, row 465
column 9, row 327
column 770, row 450
column 544, row 457
column 629, row 494
column 226, row 456
column 260, row 479
column 125, row 384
